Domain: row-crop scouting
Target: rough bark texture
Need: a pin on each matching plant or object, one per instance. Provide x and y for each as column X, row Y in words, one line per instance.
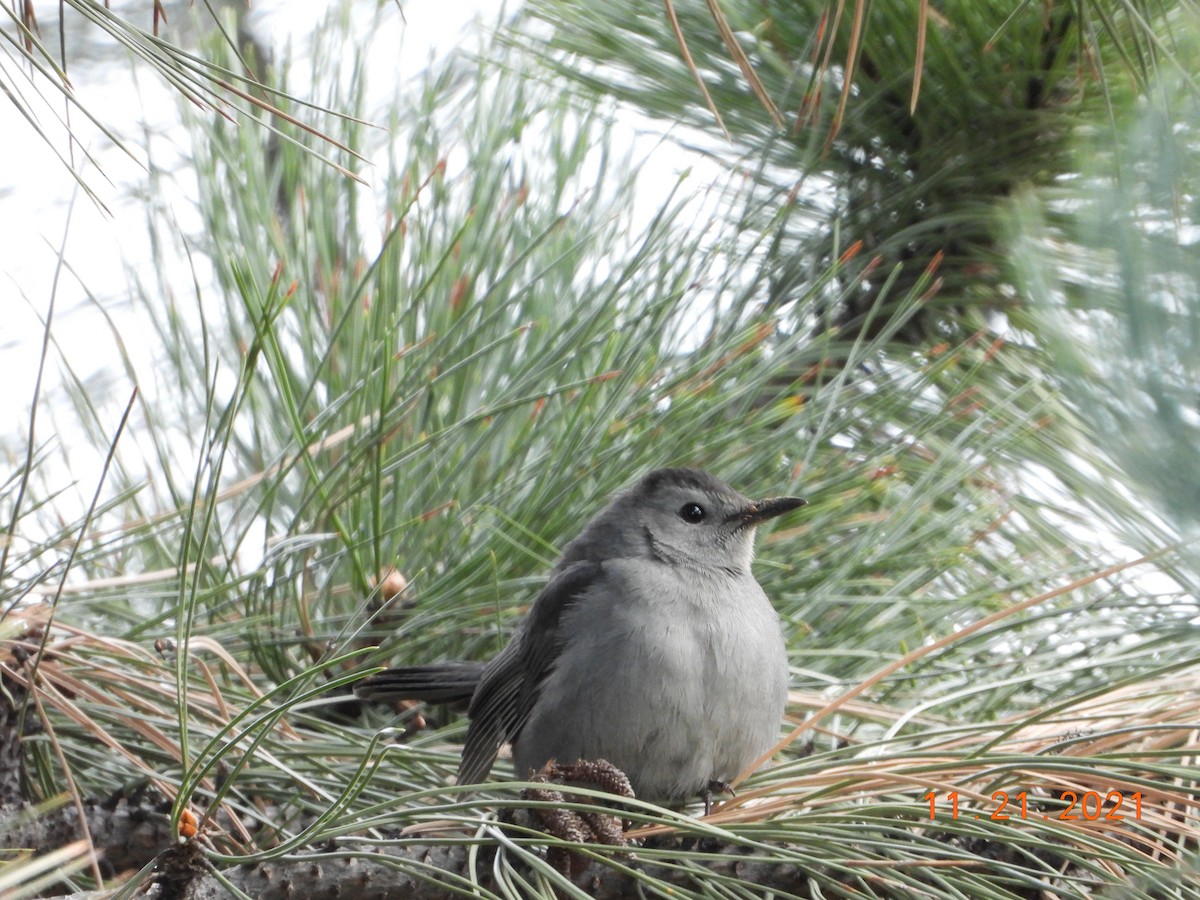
column 371, row 878
column 128, row 831
column 130, row 835
column 11, row 764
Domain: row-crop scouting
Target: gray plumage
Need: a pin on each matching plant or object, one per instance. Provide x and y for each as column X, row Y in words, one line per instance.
column 652, row 646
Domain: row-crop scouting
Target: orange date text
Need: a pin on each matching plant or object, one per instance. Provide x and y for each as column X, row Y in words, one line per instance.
column 1090, row 806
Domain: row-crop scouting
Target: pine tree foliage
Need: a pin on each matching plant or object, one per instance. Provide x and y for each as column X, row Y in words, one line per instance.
column 378, row 414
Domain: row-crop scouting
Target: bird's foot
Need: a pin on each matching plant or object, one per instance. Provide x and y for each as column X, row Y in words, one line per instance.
column 716, row 787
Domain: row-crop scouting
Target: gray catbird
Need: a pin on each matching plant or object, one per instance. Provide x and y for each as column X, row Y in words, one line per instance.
column 652, row 646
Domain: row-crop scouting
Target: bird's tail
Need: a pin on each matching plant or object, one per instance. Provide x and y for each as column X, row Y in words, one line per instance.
column 438, row 683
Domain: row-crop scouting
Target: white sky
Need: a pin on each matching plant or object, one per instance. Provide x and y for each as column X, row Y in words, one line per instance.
column 44, row 212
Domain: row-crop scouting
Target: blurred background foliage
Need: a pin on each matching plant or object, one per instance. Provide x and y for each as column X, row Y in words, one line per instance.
column 959, row 319
column 860, row 150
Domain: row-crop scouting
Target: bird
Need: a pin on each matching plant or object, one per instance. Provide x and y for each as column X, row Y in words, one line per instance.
column 651, row 646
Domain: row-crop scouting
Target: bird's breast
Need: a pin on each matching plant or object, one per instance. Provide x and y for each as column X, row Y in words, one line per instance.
column 676, row 678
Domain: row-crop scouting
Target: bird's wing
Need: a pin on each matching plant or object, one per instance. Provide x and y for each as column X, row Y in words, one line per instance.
column 510, row 683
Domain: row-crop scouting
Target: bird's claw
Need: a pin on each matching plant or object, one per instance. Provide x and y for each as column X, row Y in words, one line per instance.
column 716, row 787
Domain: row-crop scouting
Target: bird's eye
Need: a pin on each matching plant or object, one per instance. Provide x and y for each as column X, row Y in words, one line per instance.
column 692, row 513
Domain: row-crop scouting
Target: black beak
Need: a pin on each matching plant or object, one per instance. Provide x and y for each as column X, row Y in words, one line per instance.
column 761, row 510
